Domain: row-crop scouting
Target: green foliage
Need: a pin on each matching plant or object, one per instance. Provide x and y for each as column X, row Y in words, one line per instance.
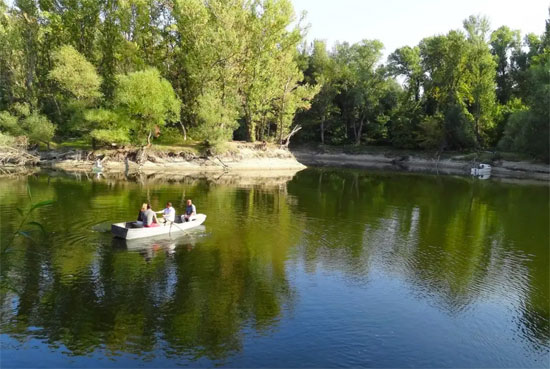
column 405, row 62
column 216, row 119
column 10, row 124
column 480, row 79
column 146, row 100
column 170, row 136
column 403, row 128
column 431, row 132
column 36, row 127
column 458, row 129
column 6, row 140
column 117, row 72
column 110, row 136
column 504, row 41
column 528, row 131
column 502, row 114
column 108, row 127
column 75, row 74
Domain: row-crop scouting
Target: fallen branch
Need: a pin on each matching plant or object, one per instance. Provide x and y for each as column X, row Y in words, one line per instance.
column 16, row 156
column 286, row 140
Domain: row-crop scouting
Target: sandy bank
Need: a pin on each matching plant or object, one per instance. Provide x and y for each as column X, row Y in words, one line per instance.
column 261, row 159
column 240, row 157
column 392, row 161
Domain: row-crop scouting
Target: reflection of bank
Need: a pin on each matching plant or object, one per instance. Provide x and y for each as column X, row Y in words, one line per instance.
column 148, row 247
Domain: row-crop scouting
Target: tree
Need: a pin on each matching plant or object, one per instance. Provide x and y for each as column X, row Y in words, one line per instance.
column 216, row 118
column 290, row 95
column 521, row 61
column 403, row 128
column 480, row 78
column 12, row 71
column 405, row 62
column 366, row 83
column 76, row 88
column 147, row 101
column 504, row 42
column 528, row 130
column 74, row 74
column 268, row 44
column 324, row 75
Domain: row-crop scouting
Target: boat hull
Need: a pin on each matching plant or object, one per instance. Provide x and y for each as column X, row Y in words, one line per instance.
column 124, row 230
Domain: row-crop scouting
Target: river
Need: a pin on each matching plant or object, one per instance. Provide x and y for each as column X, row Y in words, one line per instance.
column 326, row 268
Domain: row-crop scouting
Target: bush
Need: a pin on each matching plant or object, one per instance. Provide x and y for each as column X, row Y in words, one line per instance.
column 10, row 124
column 459, row 133
column 525, row 131
column 38, row 128
column 170, row 136
column 7, row 140
column 111, row 136
column 35, row 126
column 431, row 134
column 402, row 130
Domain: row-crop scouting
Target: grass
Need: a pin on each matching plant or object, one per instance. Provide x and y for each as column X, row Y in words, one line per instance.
column 78, row 144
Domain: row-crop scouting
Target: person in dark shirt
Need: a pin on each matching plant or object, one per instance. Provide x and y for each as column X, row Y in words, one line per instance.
column 141, row 217
column 190, row 211
column 142, row 212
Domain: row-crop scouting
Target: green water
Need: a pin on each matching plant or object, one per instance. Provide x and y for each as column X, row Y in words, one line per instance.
column 328, row 268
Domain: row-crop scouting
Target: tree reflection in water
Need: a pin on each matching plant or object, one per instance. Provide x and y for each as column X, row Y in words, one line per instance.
column 453, row 241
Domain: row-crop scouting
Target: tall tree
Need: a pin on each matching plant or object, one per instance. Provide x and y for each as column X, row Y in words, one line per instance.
column 366, row 84
column 480, row 74
column 504, row 42
column 405, row 62
column 323, row 74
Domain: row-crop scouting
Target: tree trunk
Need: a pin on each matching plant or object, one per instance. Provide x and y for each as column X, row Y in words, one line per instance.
column 141, row 154
column 323, row 131
column 359, row 132
column 286, row 140
column 251, row 130
column 476, row 128
column 183, row 130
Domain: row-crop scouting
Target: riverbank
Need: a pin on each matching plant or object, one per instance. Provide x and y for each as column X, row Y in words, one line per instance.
column 447, row 163
column 237, row 156
column 260, row 159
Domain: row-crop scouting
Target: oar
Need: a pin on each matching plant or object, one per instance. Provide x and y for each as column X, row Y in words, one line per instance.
column 174, row 223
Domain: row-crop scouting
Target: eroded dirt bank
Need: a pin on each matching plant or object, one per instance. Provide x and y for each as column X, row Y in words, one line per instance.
column 239, row 157
column 260, row 160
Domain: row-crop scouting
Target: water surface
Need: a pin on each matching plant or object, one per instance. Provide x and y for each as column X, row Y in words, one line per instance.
column 330, row 268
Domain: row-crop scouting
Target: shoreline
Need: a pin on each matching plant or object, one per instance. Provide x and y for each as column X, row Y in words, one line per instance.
column 394, row 161
column 260, row 160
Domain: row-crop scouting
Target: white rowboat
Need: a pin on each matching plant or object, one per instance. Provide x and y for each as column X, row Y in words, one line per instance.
column 481, row 170
column 125, row 230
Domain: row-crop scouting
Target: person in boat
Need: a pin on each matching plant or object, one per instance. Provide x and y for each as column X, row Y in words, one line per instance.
column 141, row 216
column 150, row 218
column 190, row 211
column 169, row 213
